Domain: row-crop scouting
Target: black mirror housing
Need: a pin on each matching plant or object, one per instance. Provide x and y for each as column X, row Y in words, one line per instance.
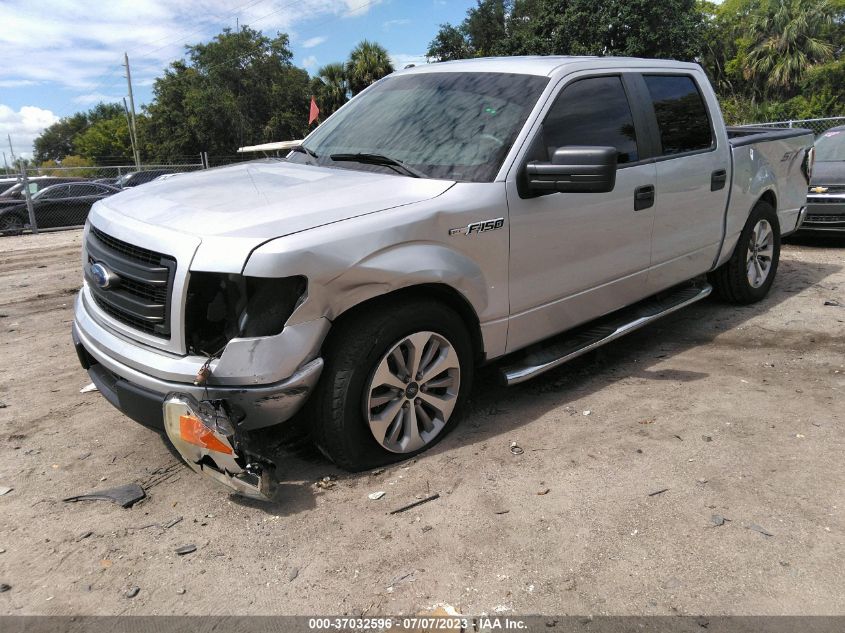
column 574, row 169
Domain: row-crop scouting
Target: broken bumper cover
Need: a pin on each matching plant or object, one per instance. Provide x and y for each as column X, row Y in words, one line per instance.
column 203, row 434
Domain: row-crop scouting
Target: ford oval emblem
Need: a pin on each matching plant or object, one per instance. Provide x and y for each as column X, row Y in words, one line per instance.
column 103, row 277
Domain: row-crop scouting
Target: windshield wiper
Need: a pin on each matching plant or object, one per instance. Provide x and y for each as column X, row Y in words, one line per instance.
column 304, row 150
column 380, row 159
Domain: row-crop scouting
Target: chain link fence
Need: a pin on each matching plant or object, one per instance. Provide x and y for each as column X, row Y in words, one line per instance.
column 56, row 197
column 44, row 198
column 818, row 126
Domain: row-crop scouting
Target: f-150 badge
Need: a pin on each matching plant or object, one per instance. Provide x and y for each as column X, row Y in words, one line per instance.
column 479, row 227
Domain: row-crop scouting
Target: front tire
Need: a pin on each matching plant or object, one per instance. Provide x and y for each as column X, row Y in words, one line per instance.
column 750, row 272
column 396, row 376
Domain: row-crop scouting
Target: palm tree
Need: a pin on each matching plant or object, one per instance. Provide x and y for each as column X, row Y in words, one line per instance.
column 368, row 62
column 787, row 38
column 334, row 89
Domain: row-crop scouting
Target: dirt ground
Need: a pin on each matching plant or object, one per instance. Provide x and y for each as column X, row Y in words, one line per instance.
column 736, row 412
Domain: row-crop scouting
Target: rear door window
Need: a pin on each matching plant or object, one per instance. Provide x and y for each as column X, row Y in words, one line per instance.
column 592, row 111
column 681, row 114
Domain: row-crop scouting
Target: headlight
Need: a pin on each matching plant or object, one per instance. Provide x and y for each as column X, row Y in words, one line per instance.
column 223, row 306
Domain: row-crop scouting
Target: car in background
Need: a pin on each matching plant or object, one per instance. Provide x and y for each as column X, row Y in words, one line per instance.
column 64, row 204
column 135, row 178
column 14, row 194
column 826, row 198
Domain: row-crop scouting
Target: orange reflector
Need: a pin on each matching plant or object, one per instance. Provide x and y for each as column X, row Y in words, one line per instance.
column 195, row 432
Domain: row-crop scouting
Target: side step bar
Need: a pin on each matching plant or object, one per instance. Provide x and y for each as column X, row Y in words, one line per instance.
column 541, row 358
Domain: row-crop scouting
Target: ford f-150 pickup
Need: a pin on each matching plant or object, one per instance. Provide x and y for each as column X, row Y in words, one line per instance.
column 518, row 210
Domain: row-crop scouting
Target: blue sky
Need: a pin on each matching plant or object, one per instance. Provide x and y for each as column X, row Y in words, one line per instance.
column 61, row 56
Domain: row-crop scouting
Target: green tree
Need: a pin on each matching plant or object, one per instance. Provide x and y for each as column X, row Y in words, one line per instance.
column 368, row 62
column 105, row 141
column 331, row 88
column 788, row 37
column 637, row 28
column 240, row 88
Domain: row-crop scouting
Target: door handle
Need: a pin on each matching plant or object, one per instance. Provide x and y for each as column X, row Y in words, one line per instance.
column 718, row 179
column 643, row 197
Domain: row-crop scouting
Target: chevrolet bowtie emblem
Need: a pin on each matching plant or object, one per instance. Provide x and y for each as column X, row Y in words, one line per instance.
column 818, row 189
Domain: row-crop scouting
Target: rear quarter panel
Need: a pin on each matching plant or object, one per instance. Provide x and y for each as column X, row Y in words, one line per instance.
column 774, row 166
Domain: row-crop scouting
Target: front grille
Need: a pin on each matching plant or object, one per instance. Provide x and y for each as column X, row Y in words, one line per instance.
column 823, row 199
column 141, row 298
column 825, row 219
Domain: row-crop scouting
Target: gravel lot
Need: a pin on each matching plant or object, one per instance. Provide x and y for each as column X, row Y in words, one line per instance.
column 736, row 412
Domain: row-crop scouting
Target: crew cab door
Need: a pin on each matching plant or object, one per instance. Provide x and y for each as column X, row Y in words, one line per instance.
column 576, row 256
column 693, row 176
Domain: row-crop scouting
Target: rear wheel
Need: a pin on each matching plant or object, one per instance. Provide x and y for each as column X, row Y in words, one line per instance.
column 747, row 276
column 396, row 376
column 11, row 224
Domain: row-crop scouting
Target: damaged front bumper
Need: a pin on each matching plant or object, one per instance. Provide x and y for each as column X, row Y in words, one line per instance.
column 204, row 435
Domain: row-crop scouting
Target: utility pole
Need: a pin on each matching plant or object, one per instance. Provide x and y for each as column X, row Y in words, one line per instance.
column 133, row 130
column 30, row 209
column 131, row 135
column 5, row 164
column 11, row 149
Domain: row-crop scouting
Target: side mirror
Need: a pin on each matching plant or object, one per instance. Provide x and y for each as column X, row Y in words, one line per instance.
column 574, row 169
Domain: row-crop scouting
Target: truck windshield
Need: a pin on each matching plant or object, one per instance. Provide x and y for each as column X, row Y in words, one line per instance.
column 831, row 146
column 454, row 126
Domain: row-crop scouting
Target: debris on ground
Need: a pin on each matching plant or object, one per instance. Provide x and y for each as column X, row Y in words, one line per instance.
column 516, row 449
column 186, row 549
column 4, row 490
column 132, row 592
column 648, row 421
column 657, row 492
column 427, row 528
column 702, row 480
column 4, row 587
column 832, row 302
column 501, row 511
column 171, row 522
column 544, row 491
column 3, row 405
column 587, row 412
column 707, row 438
column 125, row 496
column 416, row 503
column 377, row 472
column 759, row 529
column 718, row 520
column 293, row 574
column 326, row 483
column 89, row 388
column 181, row 591
column 375, row 496
column 84, row 536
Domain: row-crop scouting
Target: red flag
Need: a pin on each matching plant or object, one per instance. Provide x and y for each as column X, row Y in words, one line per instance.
column 315, row 112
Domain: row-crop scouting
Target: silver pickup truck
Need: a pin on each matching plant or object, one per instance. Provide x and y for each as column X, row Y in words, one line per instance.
column 522, row 210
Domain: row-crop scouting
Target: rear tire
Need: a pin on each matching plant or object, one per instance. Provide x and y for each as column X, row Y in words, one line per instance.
column 747, row 276
column 367, row 411
column 11, row 224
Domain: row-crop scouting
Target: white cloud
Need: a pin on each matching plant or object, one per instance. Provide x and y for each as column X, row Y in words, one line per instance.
column 400, row 60
column 311, row 42
column 67, row 43
column 24, row 126
column 96, row 97
column 391, row 23
column 309, row 62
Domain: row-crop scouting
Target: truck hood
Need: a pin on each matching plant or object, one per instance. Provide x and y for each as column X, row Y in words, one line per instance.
column 828, row 173
column 262, row 200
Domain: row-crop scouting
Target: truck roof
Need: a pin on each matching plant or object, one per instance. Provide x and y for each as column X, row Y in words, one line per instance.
column 546, row 65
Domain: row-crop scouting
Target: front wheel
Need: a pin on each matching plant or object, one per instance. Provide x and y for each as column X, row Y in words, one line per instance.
column 396, row 376
column 747, row 276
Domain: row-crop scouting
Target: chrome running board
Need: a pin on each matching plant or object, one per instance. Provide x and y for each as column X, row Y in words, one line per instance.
column 543, row 357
